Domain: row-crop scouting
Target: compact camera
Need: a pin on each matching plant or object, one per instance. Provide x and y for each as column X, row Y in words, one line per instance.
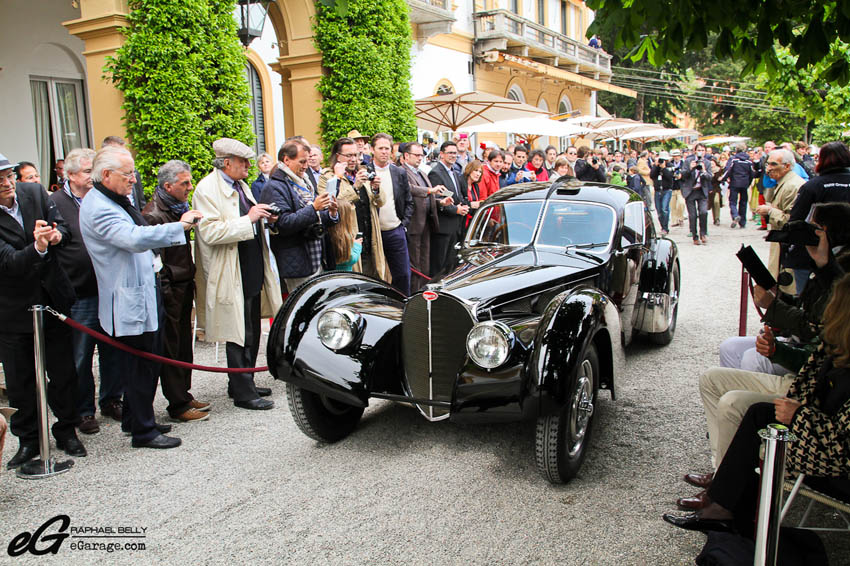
column 274, row 210
column 370, row 175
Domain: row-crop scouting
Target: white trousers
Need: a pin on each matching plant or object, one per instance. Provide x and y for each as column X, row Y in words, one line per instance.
column 727, row 394
column 739, row 352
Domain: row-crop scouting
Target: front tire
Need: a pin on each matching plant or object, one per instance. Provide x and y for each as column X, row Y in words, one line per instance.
column 562, row 438
column 319, row 417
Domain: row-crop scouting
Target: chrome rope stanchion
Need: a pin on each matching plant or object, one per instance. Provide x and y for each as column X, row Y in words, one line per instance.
column 45, row 466
column 776, row 438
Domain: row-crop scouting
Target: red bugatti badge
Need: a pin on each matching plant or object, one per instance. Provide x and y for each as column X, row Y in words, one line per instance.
column 429, row 296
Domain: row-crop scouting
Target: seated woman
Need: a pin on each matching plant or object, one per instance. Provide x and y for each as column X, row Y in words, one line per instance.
column 817, row 410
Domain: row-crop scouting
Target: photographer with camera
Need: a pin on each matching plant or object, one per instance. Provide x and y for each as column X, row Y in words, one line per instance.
column 696, row 184
column 230, row 240
column 588, row 167
column 298, row 233
column 662, row 178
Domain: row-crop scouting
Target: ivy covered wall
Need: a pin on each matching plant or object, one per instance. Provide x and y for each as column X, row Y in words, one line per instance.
column 182, row 74
column 365, row 48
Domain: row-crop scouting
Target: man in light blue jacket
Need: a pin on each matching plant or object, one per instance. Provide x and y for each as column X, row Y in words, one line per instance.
column 120, row 243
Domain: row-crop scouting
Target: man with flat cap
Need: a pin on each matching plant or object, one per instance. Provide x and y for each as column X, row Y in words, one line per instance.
column 30, row 273
column 236, row 283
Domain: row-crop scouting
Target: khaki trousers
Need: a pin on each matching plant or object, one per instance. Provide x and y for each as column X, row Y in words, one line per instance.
column 677, row 208
column 726, row 395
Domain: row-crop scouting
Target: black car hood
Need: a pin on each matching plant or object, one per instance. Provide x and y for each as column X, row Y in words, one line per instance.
column 492, row 274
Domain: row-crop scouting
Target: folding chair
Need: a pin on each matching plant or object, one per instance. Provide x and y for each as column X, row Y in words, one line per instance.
column 841, row 506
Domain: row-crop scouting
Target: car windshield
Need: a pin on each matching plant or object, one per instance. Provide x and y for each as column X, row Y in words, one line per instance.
column 571, row 223
column 506, row 223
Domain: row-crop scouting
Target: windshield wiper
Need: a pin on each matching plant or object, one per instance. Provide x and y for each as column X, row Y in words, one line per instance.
column 585, row 246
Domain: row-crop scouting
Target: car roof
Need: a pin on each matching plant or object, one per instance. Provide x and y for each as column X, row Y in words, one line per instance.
column 566, row 189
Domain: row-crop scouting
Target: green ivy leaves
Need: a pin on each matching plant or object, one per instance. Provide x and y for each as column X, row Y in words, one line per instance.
column 181, row 71
column 365, row 50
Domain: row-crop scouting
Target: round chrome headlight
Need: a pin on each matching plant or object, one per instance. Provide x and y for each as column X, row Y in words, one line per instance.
column 489, row 344
column 337, row 327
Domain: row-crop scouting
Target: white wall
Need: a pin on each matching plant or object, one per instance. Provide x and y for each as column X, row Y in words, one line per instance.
column 33, row 42
column 432, row 63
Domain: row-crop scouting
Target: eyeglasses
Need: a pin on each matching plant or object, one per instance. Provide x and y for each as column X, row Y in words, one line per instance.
column 347, row 155
column 774, row 163
column 131, row 175
column 11, row 176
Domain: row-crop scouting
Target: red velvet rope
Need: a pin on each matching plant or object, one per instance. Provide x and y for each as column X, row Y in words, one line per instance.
column 147, row 355
column 420, row 274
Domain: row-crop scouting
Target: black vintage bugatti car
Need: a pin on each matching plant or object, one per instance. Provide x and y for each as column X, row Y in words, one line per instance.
column 553, row 281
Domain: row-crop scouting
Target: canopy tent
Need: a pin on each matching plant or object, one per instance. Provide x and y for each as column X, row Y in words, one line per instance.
column 619, row 130
column 529, row 128
column 722, row 140
column 453, row 111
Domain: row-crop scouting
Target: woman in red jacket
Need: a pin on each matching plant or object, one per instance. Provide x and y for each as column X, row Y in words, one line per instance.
column 492, row 169
column 535, row 165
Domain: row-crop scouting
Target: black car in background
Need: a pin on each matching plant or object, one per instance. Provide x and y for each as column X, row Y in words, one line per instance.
column 553, row 281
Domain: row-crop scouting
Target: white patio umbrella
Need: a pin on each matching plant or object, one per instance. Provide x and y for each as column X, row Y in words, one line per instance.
column 658, row 134
column 620, row 129
column 527, row 127
column 453, row 111
column 722, row 140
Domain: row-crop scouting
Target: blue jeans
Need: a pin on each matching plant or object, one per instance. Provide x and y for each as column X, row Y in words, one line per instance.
column 398, row 258
column 84, row 311
column 739, row 209
column 662, row 207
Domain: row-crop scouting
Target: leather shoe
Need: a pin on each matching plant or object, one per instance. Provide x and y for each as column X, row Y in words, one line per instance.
column 161, row 428
column 255, row 404
column 113, row 409
column 699, row 480
column 693, row 522
column 694, row 503
column 261, row 391
column 25, row 453
column 88, row 425
column 72, row 446
column 160, row 441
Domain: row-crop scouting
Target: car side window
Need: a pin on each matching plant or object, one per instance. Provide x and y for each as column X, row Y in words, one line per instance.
column 633, row 224
column 509, row 223
column 575, row 223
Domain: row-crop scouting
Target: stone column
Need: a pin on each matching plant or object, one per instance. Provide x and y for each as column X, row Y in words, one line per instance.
column 301, row 99
column 100, row 28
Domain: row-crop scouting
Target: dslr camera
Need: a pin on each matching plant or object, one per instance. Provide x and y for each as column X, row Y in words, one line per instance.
column 314, row 231
column 274, row 209
column 798, row 232
column 699, row 166
column 595, row 161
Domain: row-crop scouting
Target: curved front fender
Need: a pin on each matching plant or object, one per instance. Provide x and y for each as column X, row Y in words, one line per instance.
column 296, row 354
column 652, row 313
column 570, row 322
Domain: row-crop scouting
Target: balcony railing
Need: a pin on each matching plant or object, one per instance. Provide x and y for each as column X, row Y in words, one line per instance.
column 539, row 42
column 432, row 17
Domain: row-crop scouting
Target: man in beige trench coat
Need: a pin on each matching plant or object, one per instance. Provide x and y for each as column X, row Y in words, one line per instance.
column 235, row 277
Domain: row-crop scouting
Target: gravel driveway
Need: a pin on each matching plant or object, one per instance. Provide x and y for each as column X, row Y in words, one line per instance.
column 248, row 486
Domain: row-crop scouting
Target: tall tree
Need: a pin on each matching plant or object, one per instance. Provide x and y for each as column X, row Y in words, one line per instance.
column 181, row 71
column 664, row 30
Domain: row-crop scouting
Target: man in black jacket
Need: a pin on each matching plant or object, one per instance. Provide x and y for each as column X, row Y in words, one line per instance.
column 740, row 172
column 296, row 238
column 451, row 216
column 395, row 214
column 30, row 274
column 75, row 259
column 588, row 167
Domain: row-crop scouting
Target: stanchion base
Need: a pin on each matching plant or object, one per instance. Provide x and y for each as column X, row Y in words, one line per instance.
column 38, row 469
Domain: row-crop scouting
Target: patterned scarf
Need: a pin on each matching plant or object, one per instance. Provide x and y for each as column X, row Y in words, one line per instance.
column 177, row 207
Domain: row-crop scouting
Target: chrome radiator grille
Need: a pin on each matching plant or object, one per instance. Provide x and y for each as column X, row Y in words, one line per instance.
column 434, row 349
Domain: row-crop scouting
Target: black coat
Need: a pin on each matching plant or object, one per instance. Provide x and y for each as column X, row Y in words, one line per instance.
column 401, row 195
column 662, row 178
column 450, row 221
column 25, row 277
column 586, row 172
column 832, row 185
column 73, row 255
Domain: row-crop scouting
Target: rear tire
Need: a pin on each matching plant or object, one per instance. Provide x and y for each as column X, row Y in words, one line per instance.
column 562, row 438
column 319, row 417
column 664, row 338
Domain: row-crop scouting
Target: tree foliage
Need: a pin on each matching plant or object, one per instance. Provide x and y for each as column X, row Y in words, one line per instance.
column 748, row 30
column 366, row 51
column 181, row 71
